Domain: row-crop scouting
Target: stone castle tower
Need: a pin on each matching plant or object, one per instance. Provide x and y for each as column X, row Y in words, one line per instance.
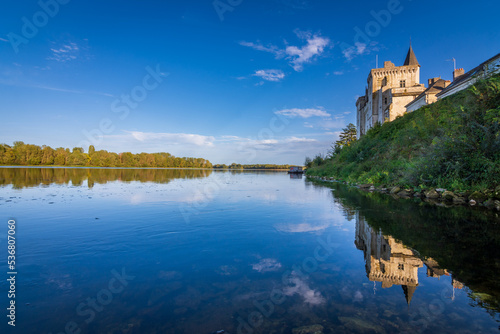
column 389, row 90
column 387, row 260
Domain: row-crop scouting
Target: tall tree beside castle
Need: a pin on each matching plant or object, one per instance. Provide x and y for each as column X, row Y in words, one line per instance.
column 346, row 138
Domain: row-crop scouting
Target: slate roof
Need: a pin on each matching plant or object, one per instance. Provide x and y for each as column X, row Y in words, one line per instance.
column 467, row 75
column 435, row 88
column 411, row 59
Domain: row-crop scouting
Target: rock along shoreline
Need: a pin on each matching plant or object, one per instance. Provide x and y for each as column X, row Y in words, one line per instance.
column 489, row 198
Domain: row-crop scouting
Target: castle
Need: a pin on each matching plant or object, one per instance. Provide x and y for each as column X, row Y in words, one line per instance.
column 394, row 90
column 392, row 263
column 389, row 90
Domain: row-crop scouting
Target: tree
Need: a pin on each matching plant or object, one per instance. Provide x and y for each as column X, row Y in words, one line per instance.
column 308, row 162
column 346, row 138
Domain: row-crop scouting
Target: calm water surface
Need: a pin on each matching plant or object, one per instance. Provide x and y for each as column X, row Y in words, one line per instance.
column 196, row 251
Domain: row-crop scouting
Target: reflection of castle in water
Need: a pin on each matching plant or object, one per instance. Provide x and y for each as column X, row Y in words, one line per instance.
column 390, row 262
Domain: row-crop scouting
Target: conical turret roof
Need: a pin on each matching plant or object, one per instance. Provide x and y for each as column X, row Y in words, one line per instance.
column 409, row 290
column 411, row 59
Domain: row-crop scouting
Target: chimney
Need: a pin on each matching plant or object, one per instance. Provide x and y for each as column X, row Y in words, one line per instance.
column 458, row 73
column 432, row 81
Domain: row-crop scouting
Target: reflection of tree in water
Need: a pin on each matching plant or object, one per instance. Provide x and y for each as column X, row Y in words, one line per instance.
column 32, row 177
column 465, row 241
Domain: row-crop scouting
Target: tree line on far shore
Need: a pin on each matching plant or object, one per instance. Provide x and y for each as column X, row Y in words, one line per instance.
column 21, row 154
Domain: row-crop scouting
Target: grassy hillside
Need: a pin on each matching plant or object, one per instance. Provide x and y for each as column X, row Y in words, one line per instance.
column 454, row 144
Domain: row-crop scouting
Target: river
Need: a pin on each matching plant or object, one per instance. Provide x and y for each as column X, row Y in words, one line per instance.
column 201, row 251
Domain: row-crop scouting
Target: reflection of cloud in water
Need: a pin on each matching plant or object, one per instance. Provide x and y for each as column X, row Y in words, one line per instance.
column 189, row 198
column 169, row 275
column 62, row 282
column 358, row 296
column 266, row 265
column 303, row 227
column 301, row 288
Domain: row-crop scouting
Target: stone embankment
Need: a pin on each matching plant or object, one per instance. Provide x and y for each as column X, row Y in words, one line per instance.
column 489, row 198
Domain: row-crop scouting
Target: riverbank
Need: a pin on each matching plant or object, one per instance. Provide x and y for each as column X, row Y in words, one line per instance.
column 489, row 199
column 453, row 144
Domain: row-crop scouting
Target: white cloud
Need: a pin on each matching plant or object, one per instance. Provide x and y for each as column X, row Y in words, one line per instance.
column 304, row 113
column 174, row 138
column 270, row 75
column 297, row 56
column 299, row 140
column 65, row 53
column 359, row 49
column 4, row 40
column 218, row 149
column 300, row 56
column 308, row 125
column 338, row 73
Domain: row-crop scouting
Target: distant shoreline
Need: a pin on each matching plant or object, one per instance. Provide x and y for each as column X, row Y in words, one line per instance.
column 166, row 168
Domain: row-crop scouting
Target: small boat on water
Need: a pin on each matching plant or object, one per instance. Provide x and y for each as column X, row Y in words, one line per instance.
column 296, row 170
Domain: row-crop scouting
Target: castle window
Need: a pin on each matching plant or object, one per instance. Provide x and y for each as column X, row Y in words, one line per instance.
column 402, row 83
column 401, row 266
column 385, row 100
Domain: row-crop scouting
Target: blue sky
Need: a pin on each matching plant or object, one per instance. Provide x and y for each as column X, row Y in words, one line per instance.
column 230, row 81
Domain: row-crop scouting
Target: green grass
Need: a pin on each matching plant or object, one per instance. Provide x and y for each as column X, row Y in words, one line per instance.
column 453, row 144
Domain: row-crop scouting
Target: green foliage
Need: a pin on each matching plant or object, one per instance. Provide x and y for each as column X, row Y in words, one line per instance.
column 346, row 138
column 453, row 143
column 34, row 177
column 31, row 155
column 317, row 161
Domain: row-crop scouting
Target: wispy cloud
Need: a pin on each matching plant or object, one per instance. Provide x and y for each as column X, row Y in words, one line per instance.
column 337, row 123
column 4, row 40
column 297, row 56
column 269, row 48
column 304, row 113
column 305, row 54
column 26, row 84
column 218, row 149
column 65, row 52
column 359, row 49
column 270, row 75
column 174, row 138
column 338, row 73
